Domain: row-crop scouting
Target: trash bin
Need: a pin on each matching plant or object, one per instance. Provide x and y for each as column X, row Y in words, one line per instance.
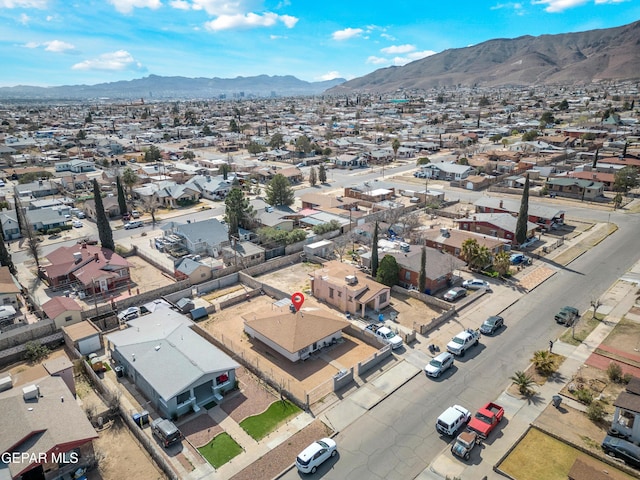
column 556, row 400
column 144, row 418
column 119, row 371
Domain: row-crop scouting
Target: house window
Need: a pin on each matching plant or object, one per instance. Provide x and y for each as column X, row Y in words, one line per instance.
column 202, row 275
column 220, row 379
column 407, row 275
column 349, row 299
column 183, row 397
column 331, row 293
column 68, row 319
column 383, row 297
column 339, row 294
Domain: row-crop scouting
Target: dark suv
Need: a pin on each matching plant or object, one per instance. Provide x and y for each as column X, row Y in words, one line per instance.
column 619, row 448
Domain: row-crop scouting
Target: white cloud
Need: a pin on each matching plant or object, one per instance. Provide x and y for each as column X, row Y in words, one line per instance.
column 556, row 6
column 57, row 46
column 24, row 18
column 346, row 34
column 515, row 6
column 180, row 4
column 377, row 60
column 127, row 6
column 329, row 75
column 24, row 3
column 393, row 49
column 221, row 7
column 604, row 2
column 120, row 60
column 250, row 20
column 388, row 37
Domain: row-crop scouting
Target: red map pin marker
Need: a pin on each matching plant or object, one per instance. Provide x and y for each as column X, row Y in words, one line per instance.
column 297, row 299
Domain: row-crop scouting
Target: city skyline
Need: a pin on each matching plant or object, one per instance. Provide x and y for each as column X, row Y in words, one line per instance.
column 53, row 42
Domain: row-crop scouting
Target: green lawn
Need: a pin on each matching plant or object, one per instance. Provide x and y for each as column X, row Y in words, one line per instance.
column 261, row 425
column 220, row 450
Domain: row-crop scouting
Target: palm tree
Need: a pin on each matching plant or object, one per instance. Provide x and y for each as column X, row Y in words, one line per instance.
column 482, row 257
column 502, row 263
column 469, row 250
column 543, row 361
column 523, row 382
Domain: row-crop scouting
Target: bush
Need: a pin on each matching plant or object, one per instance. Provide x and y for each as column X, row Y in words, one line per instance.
column 614, row 372
column 54, row 231
column 595, row 411
column 34, row 352
column 584, row 396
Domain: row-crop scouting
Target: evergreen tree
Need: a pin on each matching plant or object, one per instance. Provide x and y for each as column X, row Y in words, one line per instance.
column 313, row 177
column 523, row 215
column 395, row 145
column 374, row 251
column 238, row 211
column 388, row 272
column 422, row 279
column 104, row 229
column 22, row 224
column 322, row 174
column 5, row 257
column 279, row 191
column 595, row 158
column 122, row 201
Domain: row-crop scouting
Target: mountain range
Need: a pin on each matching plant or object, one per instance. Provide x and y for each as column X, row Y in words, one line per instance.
column 569, row 58
column 166, row 88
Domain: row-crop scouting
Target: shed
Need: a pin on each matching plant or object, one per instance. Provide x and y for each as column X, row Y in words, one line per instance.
column 198, row 313
column 6, row 383
column 185, row 305
column 84, row 336
column 321, row 249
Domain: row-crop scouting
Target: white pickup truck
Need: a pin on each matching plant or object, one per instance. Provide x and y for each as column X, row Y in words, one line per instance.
column 463, row 342
column 386, row 335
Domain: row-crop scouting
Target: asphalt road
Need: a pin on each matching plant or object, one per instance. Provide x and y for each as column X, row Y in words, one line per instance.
column 397, row 438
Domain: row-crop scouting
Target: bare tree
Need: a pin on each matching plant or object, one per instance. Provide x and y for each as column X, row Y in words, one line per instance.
column 33, row 245
column 151, row 205
column 410, row 222
column 596, row 304
column 340, row 246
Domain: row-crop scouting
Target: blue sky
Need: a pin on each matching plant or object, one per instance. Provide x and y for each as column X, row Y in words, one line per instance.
column 68, row 42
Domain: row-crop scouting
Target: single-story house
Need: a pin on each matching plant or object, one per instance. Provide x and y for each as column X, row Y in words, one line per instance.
column 575, row 188
column 188, row 269
column 63, row 311
column 10, row 225
column 543, row 215
column 451, row 241
column 211, row 187
column 295, row 335
column 44, row 420
column 243, row 253
column 75, row 166
column 500, row 225
column 43, row 219
column 447, row 171
column 176, row 369
column 346, row 288
column 206, row 237
column 110, row 204
column 626, row 417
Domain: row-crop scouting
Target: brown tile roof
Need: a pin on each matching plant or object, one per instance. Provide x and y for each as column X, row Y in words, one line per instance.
column 628, row 401
column 58, row 305
column 7, row 282
column 295, row 331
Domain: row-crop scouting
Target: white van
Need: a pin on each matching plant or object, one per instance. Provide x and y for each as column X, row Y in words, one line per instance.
column 452, row 419
column 134, row 224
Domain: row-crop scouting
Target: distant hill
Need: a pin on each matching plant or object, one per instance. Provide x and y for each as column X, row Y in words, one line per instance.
column 578, row 58
column 166, row 88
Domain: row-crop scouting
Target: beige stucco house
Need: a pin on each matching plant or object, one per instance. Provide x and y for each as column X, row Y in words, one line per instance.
column 346, row 288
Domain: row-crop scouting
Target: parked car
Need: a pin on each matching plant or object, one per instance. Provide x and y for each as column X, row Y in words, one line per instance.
column 476, row 284
column 315, row 454
column 77, row 224
column 129, row 314
column 454, row 294
column 134, row 224
column 464, row 444
column 567, row 315
column 519, row 259
column 439, row 364
column 622, row 449
column 135, row 214
column 81, row 215
column 463, row 341
column 452, row 420
column 491, row 325
column 166, row 431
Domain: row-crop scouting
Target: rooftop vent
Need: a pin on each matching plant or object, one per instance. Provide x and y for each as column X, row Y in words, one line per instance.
column 351, row 279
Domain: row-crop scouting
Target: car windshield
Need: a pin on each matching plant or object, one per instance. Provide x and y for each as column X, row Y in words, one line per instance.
column 458, row 340
column 435, row 363
column 322, row 444
column 390, row 335
column 490, row 322
column 483, row 418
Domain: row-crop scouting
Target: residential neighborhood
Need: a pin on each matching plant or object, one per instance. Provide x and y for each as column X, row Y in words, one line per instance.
column 181, row 279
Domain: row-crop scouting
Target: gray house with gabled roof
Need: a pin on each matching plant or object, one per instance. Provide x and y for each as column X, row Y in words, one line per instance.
column 207, row 237
column 176, row 369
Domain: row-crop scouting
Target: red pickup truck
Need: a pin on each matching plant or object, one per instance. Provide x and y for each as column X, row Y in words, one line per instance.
column 486, row 419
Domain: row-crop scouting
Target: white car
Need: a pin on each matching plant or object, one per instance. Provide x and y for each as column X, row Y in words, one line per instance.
column 315, row 454
column 476, row 284
column 77, row 224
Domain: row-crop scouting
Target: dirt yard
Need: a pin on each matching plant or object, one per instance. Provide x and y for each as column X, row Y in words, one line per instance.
column 145, row 276
column 291, row 279
column 299, row 378
column 122, row 457
column 409, row 310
